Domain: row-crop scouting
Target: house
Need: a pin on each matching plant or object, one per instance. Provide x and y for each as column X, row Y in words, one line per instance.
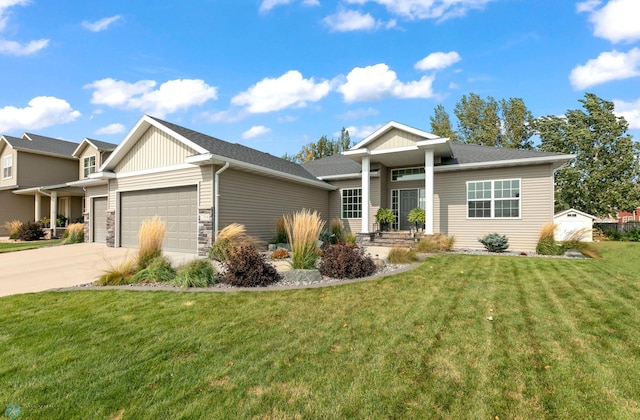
column 571, row 223
column 629, row 216
column 200, row 184
column 37, row 172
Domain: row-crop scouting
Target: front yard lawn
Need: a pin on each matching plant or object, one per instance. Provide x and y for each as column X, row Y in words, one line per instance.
column 20, row 246
column 562, row 343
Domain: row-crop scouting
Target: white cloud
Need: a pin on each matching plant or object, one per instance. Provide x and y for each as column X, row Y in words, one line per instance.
column 616, row 21
column 608, row 66
column 100, row 25
column 255, row 131
column 360, row 132
column 438, row 61
column 115, row 128
column 169, row 97
column 10, row 47
column 588, row 5
column 350, row 20
column 267, row 5
column 358, row 113
column 16, row 48
column 41, row 112
column 290, row 89
column 630, row 111
column 376, row 82
column 287, row 119
column 427, row 9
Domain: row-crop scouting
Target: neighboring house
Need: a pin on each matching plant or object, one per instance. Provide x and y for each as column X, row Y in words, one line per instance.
column 571, row 223
column 629, row 216
column 29, row 162
column 200, row 184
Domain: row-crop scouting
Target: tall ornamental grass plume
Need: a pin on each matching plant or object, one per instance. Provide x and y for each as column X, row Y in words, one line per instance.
column 336, row 227
column 228, row 237
column 74, row 233
column 13, row 227
column 546, row 241
column 150, row 237
column 303, row 231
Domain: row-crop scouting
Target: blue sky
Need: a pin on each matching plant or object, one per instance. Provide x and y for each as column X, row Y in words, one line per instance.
column 277, row 74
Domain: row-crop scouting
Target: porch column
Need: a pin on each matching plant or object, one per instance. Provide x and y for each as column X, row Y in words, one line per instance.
column 54, row 212
column 428, row 191
column 365, row 194
column 38, row 207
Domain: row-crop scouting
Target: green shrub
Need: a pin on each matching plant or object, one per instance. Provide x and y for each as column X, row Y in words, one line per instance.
column 117, row 275
column 417, row 216
column 398, row 255
column 74, row 233
column 158, row 270
column 246, row 267
column 495, row 242
column 30, row 231
column 196, row 273
column 385, row 217
column 344, row 261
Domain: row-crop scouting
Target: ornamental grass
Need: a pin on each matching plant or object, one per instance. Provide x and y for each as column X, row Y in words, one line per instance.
column 228, row 237
column 74, row 233
column 13, row 227
column 150, row 239
column 303, row 231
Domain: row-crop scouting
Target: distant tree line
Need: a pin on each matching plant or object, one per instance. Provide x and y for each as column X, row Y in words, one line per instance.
column 322, row 148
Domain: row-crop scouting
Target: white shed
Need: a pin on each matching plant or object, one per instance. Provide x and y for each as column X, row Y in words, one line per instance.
column 571, row 221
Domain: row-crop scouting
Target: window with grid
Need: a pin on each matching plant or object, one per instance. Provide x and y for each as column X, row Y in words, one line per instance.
column 352, row 203
column 89, row 165
column 493, row 199
column 7, row 166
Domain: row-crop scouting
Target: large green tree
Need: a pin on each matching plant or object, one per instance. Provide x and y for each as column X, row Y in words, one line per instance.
column 322, row 148
column 441, row 123
column 518, row 124
column 604, row 175
column 478, row 120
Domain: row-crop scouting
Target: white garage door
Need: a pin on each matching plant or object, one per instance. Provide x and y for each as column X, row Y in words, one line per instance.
column 99, row 218
column 177, row 206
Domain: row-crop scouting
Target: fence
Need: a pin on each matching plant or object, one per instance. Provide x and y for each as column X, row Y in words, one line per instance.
column 617, row 227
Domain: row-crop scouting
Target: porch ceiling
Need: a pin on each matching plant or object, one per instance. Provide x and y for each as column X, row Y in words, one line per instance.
column 401, row 157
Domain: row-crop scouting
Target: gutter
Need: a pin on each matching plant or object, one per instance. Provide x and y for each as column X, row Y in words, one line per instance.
column 217, row 199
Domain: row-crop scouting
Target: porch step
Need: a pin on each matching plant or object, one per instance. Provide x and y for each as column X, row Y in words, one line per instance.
column 390, row 239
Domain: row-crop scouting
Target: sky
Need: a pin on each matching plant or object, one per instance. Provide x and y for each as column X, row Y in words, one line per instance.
column 277, row 74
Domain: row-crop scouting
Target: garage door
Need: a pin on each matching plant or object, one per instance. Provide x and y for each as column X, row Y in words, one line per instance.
column 177, row 206
column 99, row 218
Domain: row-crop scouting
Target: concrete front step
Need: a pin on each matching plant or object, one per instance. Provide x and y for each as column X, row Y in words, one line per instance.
column 389, row 239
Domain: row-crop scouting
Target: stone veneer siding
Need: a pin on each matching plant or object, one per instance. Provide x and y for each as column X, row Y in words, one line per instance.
column 87, row 225
column 205, row 231
column 111, row 228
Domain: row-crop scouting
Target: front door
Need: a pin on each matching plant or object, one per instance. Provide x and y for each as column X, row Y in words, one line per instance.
column 408, row 202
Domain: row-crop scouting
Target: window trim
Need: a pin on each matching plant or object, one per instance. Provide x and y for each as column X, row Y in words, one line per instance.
column 403, row 169
column 493, row 199
column 5, row 166
column 84, row 167
column 342, row 204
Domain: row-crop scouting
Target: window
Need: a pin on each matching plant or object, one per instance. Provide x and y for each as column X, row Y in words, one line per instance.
column 7, row 166
column 89, row 165
column 352, row 203
column 493, row 199
column 407, row 174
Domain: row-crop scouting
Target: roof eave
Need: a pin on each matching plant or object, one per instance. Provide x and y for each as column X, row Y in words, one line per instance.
column 560, row 160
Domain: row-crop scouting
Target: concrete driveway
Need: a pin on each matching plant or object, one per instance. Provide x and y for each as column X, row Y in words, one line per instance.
column 36, row 270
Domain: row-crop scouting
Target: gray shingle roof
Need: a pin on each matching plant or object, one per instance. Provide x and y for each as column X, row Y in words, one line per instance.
column 43, row 144
column 239, row 152
column 332, row 165
column 472, row 153
column 103, row 145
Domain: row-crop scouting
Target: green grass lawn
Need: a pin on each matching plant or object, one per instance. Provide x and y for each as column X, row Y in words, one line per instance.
column 20, row 246
column 563, row 343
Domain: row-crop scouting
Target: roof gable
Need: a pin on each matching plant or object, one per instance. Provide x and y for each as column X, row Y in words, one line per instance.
column 100, row 146
column 382, row 133
column 35, row 143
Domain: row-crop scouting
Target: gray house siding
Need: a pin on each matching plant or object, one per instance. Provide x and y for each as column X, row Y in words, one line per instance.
column 15, row 207
column 35, row 170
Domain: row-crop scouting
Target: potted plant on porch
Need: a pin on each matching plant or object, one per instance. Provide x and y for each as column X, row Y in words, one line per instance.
column 385, row 217
column 417, row 216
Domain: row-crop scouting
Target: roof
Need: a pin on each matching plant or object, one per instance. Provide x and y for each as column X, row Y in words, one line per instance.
column 238, row 152
column 102, row 145
column 41, row 144
column 332, row 166
column 562, row 213
column 473, row 153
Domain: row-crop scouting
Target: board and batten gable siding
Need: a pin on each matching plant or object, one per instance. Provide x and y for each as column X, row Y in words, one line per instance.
column 36, row 170
column 154, row 149
column 536, row 206
column 257, row 201
column 335, row 202
column 198, row 175
column 6, row 151
column 393, row 139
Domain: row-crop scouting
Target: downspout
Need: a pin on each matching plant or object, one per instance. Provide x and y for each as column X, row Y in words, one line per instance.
column 217, row 200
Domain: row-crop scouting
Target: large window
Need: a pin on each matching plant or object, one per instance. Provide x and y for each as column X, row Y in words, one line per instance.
column 493, row 199
column 89, row 165
column 407, row 174
column 352, row 203
column 7, row 166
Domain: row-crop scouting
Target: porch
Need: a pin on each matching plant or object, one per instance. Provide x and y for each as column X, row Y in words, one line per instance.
column 403, row 238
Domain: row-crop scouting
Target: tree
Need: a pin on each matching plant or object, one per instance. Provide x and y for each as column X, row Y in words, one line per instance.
column 518, row 124
column 603, row 177
column 322, row 148
column 478, row 120
column 441, row 124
